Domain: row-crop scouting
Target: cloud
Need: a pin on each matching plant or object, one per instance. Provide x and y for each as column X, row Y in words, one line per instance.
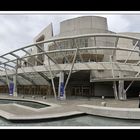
column 117, row 23
column 133, row 22
column 17, row 31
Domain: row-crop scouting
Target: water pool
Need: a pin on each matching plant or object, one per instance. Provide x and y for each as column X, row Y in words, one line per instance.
column 84, row 120
column 22, row 102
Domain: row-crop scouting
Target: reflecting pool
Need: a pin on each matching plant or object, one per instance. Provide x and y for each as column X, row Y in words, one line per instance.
column 84, row 120
column 25, row 103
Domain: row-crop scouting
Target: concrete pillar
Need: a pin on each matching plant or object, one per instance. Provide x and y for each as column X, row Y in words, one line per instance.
column 7, row 79
column 15, row 85
column 122, row 94
column 115, row 90
column 15, row 81
column 61, row 93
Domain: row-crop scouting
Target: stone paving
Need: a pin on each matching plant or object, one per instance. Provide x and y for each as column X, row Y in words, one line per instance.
column 65, row 107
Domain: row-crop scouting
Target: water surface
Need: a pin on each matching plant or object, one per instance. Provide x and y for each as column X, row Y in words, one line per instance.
column 86, row 120
column 25, row 103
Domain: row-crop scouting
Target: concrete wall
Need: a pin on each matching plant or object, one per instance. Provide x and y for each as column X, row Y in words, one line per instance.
column 47, row 32
column 77, row 26
column 86, row 25
column 123, row 113
column 83, row 25
column 127, row 43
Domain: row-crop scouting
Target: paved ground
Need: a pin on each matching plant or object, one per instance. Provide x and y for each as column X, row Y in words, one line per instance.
column 66, row 106
column 111, row 102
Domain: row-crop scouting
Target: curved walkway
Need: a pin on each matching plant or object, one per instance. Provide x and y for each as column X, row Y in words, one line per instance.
column 76, row 106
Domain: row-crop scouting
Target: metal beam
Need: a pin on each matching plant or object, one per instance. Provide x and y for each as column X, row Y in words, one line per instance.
column 7, row 79
column 131, row 52
column 6, row 72
column 138, row 63
column 80, row 36
column 95, row 49
column 95, row 41
column 82, row 66
column 74, row 49
column 34, row 57
column 71, row 68
column 81, row 58
column 2, row 67
column 15, row 80
column 77, row 36
column 44, row 76
column 52, row 79
column 6, row 59
column 114, row 83
column 128, row 86
column 46, row 54
column 10, row 66
column 132, row 82
column 32, row 68
column 14, row 55
column 62, row 52
column 40, row 73
column 6, row 65
column 112, row 69
column 28, row 79
column 13, row 67
column 116, row 43
column 25, row 77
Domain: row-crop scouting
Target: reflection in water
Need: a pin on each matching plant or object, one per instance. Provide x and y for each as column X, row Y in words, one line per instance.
column 86, row 120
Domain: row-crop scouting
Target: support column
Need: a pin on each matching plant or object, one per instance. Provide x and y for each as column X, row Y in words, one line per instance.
column 61, row 94
column 73, row 61
column 52, row 78
column 115, row 90
column 7, row 79
column 114, row 82
column 15, row 86
column 15, row 81
column 122, row 93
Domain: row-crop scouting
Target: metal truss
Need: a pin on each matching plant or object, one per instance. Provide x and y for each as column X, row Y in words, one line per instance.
column 56, row 67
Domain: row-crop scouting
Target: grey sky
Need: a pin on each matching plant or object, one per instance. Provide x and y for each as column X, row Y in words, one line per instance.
column 17, row 31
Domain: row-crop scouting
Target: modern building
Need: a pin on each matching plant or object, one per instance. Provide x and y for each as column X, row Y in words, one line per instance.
column 84, row 59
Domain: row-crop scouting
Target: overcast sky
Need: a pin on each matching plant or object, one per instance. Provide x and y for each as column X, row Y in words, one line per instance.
column 18, row 30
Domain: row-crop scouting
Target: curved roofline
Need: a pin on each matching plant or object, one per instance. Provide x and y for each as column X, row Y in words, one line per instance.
column 58, row 67
column 82, row 17
column 75, row 37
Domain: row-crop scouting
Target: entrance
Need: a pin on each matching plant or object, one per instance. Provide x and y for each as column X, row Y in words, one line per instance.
column 76, row 91
column 80, row 91
column 85, row 91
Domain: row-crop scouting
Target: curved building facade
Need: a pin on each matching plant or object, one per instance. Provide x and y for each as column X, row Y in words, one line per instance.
column 84, row 59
